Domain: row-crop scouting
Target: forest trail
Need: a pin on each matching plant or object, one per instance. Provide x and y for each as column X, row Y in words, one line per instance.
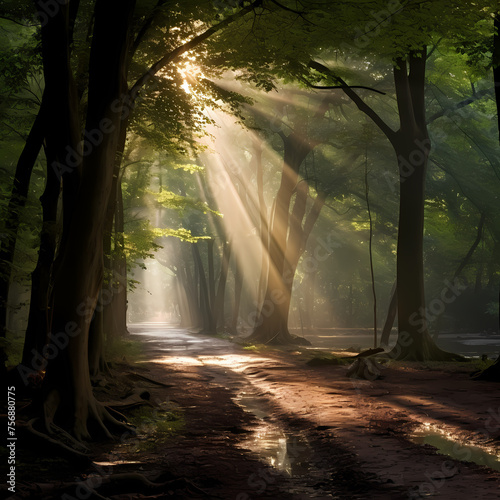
column 266, row 425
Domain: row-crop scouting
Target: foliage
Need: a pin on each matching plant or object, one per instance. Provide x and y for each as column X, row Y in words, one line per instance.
column 180, row 203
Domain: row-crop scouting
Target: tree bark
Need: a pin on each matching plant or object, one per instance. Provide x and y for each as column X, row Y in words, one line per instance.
column 211, row 272
column 218, row 309
column 276, row 306
column 272, row 325
column 120, row 269
column 238, row 287
column 17, row 201
column 263, row 218
column 97, row 358
column 204, row 300
column 39, row 311
column 68, row 394
column 115, row 262
column 391, row 316
column 412, row 148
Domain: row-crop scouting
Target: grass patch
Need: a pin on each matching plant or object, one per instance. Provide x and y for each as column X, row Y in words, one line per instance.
column 251, row 347
column 248, row 346
column 123, row 349
column 480, row 364
column 156, row 425
column 224, row 336
column 326, row 358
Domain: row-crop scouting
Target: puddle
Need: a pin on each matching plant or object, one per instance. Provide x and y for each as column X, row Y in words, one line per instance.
column 286, row 452
column 455, row 449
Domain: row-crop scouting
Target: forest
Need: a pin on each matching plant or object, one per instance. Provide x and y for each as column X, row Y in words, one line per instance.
column 250, row 249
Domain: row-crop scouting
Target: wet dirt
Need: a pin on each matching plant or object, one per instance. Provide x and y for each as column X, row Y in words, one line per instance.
column 265, row 425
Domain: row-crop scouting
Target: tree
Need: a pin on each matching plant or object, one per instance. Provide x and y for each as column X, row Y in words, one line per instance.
column 288, row 232
column 411, row 145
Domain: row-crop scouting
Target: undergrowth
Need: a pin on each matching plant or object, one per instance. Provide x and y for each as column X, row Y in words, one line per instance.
column 124, row 350
column 156, row 425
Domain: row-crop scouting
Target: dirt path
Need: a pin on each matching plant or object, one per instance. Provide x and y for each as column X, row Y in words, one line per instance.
column 268, row 426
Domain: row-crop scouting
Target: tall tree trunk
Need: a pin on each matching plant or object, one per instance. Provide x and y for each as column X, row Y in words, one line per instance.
column 238, row 287
column 276, row 307
column 391, row 316
column 294, row 245
column 412, row 148
column 97, row 359
column 190, row 283
column 204, row 300
column 186, row 287
column 211, row 271
column 68, row 394
column 308, row 298
column 272, row 322
column 17, row 201
column 263, row 218
column 120, row 269
column 39, row 310
column 114, row 292
column 218, row 309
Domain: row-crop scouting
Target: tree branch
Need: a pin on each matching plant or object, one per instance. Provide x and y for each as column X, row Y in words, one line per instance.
column 145, row 27
column 333, row 87
column 360, row 103
column 459, row 105
column 182, row 49
column 288, row 9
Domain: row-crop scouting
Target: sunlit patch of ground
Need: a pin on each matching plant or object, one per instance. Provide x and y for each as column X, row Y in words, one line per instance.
column 235, row 362
column 374, row 419
column 178, row 361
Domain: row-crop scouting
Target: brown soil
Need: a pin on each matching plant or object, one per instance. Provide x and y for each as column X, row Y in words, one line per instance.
column 347, row 439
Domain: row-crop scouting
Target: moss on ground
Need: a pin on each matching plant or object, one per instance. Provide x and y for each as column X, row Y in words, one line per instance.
column 155, row 426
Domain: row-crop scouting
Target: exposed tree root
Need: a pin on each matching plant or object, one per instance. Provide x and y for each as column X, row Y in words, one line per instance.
column 147, row 379
column 426, row 351
column 86, row 412
column 368, row 352
column 364, row 368
column 138, row 398
column 59, row 440
column 116, row 414
column 282, row 337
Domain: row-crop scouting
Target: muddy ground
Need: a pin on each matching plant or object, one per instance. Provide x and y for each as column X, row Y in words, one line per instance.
column 265, row 425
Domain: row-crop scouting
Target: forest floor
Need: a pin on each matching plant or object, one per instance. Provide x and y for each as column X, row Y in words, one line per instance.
column 265, row 425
